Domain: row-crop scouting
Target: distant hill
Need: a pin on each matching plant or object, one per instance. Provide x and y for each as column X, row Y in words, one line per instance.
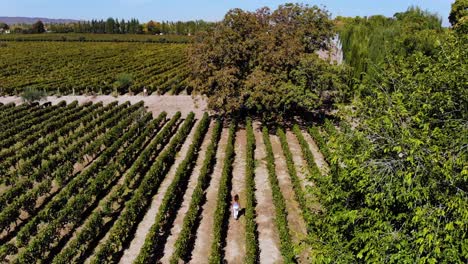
column 32, row 20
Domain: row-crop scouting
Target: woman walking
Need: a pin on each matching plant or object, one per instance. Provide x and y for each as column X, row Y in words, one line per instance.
column 236, row 207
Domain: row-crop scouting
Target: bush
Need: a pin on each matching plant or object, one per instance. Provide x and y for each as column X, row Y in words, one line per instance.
column 123, row 83
column 31, row 95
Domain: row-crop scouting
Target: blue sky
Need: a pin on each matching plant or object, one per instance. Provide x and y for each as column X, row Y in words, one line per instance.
column 212, row 10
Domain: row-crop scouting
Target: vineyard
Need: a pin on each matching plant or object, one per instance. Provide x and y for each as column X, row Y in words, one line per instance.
column 81, row 37
column 92, row 67
column 110, row 183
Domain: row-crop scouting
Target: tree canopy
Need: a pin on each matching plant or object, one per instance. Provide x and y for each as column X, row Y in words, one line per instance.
column 366, row 41
column 459, row 16
column 38, row 27
column 265, row 61
column 397, row 189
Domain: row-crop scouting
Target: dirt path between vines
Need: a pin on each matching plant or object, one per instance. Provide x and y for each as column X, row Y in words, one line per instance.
column 155, row 103
column 235, row 241
column 144, row 226
column 179, row 221
column 318, row 156
column 112, row 190
column 267, row 232
column 296, row 223
column 299, row 162
column 202, row 247
column 106, row 236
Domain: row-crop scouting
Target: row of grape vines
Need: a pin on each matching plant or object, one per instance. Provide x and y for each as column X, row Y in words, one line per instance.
column 86, row 68
column 79, row 180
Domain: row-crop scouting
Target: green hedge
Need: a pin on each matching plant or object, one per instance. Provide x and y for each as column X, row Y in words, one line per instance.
column 281, row 219
column 187, row 235
column 222, row 207
column 251, row 234
column 296, row 182
column 154, row 243
column 122, row 230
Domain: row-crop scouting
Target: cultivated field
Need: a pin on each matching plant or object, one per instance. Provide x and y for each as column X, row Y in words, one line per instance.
column 95, row 37
column 92, row 67
column 113, row 183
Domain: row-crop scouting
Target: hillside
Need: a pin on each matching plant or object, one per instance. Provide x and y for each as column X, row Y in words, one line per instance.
column 32, row 20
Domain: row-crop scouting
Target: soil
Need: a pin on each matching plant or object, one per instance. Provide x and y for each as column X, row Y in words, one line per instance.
column 235, row 241
column 298, row 158
column 155, row 103
column 296, row 223
column 204, row 235
column 179, row 221
column 318, row 156
column 267, row 232
column 144, row 226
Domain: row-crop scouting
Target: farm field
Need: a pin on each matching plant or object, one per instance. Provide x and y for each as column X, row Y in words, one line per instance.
column 92, row 67
column 83, row 37
column 112, row 183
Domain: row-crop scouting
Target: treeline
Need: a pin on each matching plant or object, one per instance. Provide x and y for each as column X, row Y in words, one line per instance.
column 366, row 41
column 397, row 189
column 116, row 26
column 109, row 26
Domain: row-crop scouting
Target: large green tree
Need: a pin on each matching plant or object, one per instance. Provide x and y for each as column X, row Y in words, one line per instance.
column 459, row 16
column 4, row 26
column 265, row 61
column 38, row 27
column 398, row 188
column 367, row 41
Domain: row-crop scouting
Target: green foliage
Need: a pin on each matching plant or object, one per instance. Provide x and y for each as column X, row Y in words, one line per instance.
column 459, row 16
column 251, row 235
column 87, row 67
column 4, row 26
column 95, row 37
column 31, row 95
column 281, row 216
column 367, row 41
column 398, row 193
column 187, row 235
column 265, row 62
column 221, row 215
column 299, row 194
column 38, row 27
column 154, row 242
column 121, row 231
column 123, row 82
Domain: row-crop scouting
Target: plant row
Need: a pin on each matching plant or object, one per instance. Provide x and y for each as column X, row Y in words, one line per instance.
column 296, row 182
column 50, row 209
column 21, row 112
column 110, row 250
column 109, row 208
column 307, row 153
column 65, row 152
column 91, row 67
column 32, row 153
column 97, row 186
column 221, row 215
column 16, row 133
column 23, row 203
column 251, row 235
column 186, row 238
column 173, row 198
column 18, row 141
column 281, row 216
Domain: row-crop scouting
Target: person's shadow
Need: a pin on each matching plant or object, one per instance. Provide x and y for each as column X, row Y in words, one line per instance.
column 241, row 213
